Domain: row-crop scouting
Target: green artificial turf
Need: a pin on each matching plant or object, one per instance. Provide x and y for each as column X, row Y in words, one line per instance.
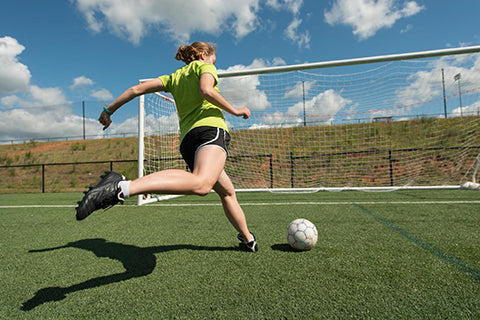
column 397, row 255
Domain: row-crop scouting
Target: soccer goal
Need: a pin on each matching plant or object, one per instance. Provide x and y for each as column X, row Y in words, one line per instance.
column 377, row 123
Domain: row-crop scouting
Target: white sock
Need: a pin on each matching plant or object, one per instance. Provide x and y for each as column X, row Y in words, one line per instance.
column 125, row 187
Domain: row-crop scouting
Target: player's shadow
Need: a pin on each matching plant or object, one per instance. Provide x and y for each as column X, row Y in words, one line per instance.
column 285, row 247
column 137, row 261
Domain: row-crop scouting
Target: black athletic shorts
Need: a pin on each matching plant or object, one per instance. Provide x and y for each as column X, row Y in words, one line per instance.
column 200, row 137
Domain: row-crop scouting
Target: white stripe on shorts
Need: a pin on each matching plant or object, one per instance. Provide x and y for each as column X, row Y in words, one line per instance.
column 205, row 144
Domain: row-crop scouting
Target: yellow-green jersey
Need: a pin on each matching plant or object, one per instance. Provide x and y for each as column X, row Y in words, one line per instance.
column 193, row 110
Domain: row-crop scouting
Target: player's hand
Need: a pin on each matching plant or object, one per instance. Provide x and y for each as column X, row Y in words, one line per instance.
column 243, row 112
column 105, row 120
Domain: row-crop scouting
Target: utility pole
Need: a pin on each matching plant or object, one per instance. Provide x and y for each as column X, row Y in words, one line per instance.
column 444, row 97
column 83, row 107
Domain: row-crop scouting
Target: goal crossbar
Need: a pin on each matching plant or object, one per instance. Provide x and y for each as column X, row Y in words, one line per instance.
column 355, row 61
column 348, row 62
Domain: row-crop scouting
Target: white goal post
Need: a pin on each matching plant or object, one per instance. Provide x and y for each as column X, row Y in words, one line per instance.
column 472, row 184
column 376, row 123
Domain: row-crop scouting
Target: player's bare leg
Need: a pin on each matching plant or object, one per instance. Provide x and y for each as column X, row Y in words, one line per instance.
column 234, row 211
column 208, row 166
column 207, row 175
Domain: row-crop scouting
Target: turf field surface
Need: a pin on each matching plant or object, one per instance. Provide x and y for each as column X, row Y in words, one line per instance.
column 411, row 254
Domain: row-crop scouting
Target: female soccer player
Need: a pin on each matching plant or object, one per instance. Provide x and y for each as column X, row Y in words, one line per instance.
column 204, row 141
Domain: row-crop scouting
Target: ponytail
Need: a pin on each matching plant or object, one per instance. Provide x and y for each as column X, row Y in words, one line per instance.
column 193, row 52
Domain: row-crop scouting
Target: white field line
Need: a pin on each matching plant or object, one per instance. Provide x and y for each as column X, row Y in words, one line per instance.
column 262, row 204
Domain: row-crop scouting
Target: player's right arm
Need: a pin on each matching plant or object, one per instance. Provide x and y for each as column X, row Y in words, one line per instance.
column 208, row 92
column 150, row 86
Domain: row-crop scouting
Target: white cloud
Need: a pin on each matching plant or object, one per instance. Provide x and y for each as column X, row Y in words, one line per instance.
column 424, row 84
column 424, row 90
column 46, row 96
column 160, row 125
column 406, row 29
column 133, row 19
column 43, row 113
column 367, row 17
column 469, row 110
column 289, row 5
column 81, row 81
column 411, row 8
column 33, row 112
column 327, row 103
column 292, row 33
column 298, row 89
column 102, row 94
column 14, row 76
column 321, row 109
column 23, row 124
column 246, row 20
column 9, row 101
column 246, row 91
column 277, row 120
column 130, row 125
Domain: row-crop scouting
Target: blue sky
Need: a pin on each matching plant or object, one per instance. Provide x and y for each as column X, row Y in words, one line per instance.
column 54, row 54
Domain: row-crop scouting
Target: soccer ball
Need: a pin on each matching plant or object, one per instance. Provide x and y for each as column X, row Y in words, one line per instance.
column 302, row 234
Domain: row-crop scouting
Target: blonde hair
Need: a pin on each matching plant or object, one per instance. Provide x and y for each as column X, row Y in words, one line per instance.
column 192, row 52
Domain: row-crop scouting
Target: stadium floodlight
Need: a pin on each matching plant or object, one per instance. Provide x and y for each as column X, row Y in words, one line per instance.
column 457, row 78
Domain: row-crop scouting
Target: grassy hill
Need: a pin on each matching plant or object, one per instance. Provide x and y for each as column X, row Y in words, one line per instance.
column 63, row 178
column 325, row 155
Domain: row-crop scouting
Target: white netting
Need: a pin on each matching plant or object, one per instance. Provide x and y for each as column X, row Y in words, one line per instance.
column 401, row 123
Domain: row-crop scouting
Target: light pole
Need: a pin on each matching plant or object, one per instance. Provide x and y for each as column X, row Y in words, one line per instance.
column 457, row 77
column 304, row 113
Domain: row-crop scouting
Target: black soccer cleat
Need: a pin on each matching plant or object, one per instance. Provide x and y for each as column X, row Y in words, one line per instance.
column 102, row 196
column 248, row 246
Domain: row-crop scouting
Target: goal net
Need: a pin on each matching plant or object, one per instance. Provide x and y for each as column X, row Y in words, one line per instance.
column 375, row 123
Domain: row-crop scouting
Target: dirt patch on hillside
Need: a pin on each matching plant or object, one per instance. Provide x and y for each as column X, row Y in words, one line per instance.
column 40, row 147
